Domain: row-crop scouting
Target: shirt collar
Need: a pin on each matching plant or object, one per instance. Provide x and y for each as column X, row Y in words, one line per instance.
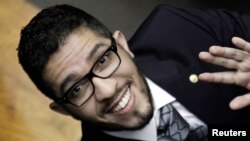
column 148, row 133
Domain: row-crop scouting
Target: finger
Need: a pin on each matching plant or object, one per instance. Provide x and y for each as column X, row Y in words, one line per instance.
column 244, row 66
column 225, row 62
column 240, row 102
column 227, row 52
column 218, row 77
column 240, row 43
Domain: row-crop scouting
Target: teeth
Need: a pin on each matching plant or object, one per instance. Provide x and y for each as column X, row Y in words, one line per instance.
column 122, row 103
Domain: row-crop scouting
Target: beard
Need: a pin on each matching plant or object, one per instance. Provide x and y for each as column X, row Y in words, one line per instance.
column 143, row 117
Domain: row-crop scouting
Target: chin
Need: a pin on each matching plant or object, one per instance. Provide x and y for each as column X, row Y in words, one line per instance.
column 141, row 118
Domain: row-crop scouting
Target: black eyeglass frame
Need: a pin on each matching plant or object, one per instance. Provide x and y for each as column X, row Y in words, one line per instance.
column 89, row 76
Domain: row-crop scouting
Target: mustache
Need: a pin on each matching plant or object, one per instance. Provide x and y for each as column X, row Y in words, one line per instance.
column 118, row 92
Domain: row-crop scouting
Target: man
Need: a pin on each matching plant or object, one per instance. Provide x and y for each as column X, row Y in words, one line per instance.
column 90, row 73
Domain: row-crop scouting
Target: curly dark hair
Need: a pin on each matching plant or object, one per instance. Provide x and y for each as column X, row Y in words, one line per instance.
column 45, row 33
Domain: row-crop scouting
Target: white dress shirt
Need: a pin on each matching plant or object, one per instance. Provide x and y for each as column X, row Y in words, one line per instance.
column 149, row 132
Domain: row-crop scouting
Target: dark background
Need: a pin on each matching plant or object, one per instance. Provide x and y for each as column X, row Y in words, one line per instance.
column 127, row 15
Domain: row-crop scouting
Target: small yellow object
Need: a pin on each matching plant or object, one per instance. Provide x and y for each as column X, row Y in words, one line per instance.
column 193, row 78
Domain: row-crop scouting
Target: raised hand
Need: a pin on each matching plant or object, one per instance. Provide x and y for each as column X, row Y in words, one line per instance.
column 236, row 59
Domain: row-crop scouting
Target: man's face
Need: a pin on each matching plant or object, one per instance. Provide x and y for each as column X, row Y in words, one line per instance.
column 121, row 101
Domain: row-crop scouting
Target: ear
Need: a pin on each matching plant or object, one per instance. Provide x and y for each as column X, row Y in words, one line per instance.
column 58, row 108
column 122, row 42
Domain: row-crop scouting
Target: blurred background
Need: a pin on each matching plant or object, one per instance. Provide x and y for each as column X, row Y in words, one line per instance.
column 24, row 112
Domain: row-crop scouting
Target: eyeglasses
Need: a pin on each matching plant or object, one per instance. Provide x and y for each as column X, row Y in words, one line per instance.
column 105, row 66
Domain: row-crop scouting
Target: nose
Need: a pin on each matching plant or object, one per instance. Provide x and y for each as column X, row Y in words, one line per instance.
column 104, row 88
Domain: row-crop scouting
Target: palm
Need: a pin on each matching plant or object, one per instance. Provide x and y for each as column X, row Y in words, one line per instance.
column 236, row 59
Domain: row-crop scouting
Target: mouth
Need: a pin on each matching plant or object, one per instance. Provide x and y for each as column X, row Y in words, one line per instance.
column 123, row 104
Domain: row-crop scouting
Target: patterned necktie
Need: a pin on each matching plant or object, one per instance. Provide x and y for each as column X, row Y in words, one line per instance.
column 173, row 126
column 198, row 134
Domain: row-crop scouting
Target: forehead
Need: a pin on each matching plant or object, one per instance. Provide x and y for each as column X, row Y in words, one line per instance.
column 70, row 59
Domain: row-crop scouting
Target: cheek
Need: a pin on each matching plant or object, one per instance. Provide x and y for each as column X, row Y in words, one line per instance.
column 89, row 110
column 127, row 67
column 86, row 112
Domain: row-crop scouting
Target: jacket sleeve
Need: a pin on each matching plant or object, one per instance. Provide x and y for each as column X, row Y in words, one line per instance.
column 92, row 133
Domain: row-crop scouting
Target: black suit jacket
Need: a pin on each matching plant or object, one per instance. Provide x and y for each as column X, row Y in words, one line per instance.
column 166, row 48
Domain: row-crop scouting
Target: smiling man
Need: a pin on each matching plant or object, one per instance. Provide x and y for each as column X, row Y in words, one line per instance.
column 90, row 73
column 88, row 65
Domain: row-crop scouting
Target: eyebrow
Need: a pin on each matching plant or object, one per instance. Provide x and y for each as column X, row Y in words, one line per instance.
column 68, row 79
column 95, row 49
